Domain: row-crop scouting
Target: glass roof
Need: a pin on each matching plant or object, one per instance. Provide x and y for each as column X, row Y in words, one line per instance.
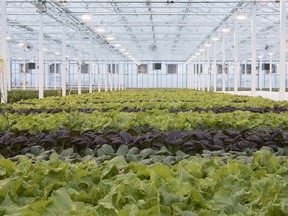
column 141, row 30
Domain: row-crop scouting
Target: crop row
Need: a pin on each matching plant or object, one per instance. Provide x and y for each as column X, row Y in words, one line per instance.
column 145, row 121
column 146, row 99
column 216, row 110
column 130, row 142
column 194, row 186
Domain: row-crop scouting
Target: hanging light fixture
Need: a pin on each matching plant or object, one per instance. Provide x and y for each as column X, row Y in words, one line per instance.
column 100, row 30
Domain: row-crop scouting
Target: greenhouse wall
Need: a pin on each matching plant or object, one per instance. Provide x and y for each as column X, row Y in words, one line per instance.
column 135, row 77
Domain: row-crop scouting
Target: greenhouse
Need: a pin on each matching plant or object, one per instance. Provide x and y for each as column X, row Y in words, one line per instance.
column 143, row 108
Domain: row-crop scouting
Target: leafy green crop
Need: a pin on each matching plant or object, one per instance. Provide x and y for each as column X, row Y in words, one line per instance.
column 142, row 99
column 156, row 119
column 164, row 110
column 195, row 186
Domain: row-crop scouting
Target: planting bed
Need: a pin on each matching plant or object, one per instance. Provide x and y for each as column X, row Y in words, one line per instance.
column 150, row 152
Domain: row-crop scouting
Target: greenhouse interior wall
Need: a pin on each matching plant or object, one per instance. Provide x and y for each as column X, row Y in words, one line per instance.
column 151, row 78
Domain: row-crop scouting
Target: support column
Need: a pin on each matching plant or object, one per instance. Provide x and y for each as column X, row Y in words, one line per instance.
column 9, row 68
column 245, row 73
column 223, row 63
column 119, row 75
column 24, row 74
column 190, row 75
column 236, row 63
column 270, row 72
column 99, row 77
column 260, row 74
column 214, row 67
column 282, row 76
column 3, row 62
column 46, row 73
column 111, row 76
column 203, row 72
column 123, row 75
column 208, row 69
column 63, row 69
column 116, row 76
column 41, row 57
column 106, row 75
column 79, row 65
column 199, row 74
column 253, row 51
column 36, row 71
column 90, row 66
column 187, row 75
column 55, row 74
column 194, row 74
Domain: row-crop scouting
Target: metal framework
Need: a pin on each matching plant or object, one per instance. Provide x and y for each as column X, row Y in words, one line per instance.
column 148, row 30
column 143, row 31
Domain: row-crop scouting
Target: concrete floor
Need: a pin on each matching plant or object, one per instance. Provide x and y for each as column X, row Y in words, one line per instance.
column 265, row 94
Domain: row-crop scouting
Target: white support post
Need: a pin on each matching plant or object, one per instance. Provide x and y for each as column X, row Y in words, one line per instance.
column 208, row 69
column 116, row 76
column 188, row 76
column 223, row 62
column 106, row 74
column 199, row 74
column 253, row 51
column 191, row 76
column 99, row 77
column 36, row 72
column 270, row 73
column 55, row 73
column 245, row 73
column 24, row 74
column 236, row 63
column 63, row 65
column 214, row 67
column 119, row 75
column 9, row 69
column 46, row 73
column 41, row 57
column 111, row 76
column 3, row 62
column 203, row 72
column 90, row 66
column 282, row 76
column 79, row 64
column 260, row 75
column 123, row 75
column 194, row 74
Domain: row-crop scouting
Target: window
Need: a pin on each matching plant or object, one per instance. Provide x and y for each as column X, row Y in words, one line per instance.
column 242, row 68
column 157, row 66
column 30, row 65
column 52, row 66
column 172, row 68
column 84, row 68
column 21, row 68
column 142, row 69
column 220, row 68
column 112, row 68
column 266, row 68
column 196, row 68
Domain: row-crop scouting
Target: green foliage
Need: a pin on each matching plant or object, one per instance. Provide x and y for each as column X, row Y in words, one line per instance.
column 20, row 95
column 105, row 111
column 195, row 186
column 160, row 120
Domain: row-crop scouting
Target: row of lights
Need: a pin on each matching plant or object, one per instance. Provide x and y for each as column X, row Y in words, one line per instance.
column 118, row 46
column 239, row 17
column 109, row 38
